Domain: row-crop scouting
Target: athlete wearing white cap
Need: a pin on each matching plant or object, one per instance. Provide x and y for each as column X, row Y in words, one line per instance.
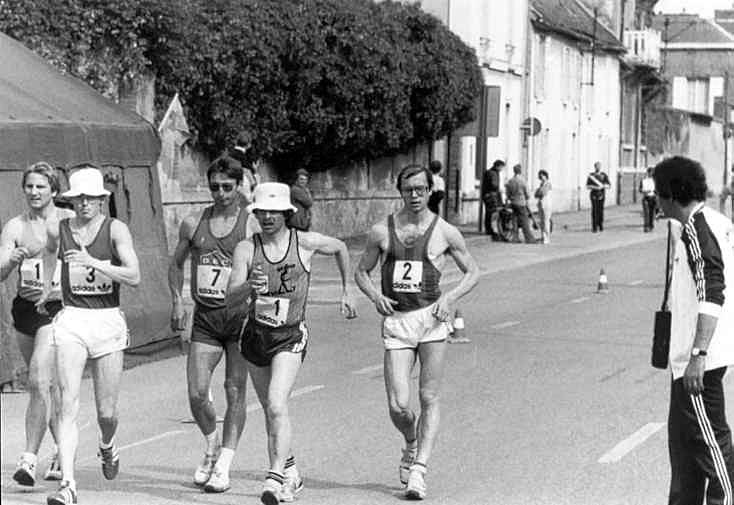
column 275, row 268
column 97, row 256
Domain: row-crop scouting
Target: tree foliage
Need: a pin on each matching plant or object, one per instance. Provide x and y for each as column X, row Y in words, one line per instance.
column 318, row 82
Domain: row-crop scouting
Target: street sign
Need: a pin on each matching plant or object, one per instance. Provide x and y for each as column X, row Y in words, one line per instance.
column 532, row 125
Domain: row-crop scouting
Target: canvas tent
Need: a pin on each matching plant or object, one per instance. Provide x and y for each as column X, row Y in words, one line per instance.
column 47, row 116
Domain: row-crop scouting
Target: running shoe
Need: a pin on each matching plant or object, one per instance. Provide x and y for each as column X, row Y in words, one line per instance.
column 53, row 472
column 218, row 482
column 292, row 485
column 204, row 470
column 65, row 495
column 25, row 471
column 416, row 488
column 271, row 492
column 406, row 461
column 110, row 461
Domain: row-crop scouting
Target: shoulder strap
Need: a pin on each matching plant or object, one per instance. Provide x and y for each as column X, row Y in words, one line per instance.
column 668, row 272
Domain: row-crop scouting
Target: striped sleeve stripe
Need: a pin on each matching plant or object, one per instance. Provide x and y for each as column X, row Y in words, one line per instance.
column 716, row 454
column 697, row 260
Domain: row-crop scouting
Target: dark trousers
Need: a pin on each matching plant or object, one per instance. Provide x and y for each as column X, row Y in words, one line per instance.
column 490, row 206
column 699, row 442
column 648, row 212
column 521, row 211
column 597, row 213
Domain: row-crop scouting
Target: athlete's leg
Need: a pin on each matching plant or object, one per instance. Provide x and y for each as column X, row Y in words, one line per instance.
column 235, row 385
column 432, row 361
column 70, row 360
column 106, row 374
column 398, row 366
column 202, row 360
column 44, row 402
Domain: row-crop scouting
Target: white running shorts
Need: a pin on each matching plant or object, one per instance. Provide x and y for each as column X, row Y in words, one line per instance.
column 405, row 330
column 99, row 331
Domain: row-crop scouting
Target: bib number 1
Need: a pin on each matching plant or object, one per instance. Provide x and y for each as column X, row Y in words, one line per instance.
column 271, row 311
column 31, row 274
column 407, row 277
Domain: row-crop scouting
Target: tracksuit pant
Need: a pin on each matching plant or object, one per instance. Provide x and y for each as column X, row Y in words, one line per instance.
column 597, row 213
column 700, row 446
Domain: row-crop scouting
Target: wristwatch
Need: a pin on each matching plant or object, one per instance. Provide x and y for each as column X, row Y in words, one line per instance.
column 698, row 352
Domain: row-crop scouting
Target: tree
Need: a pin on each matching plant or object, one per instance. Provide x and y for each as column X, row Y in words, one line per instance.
column 320, row 83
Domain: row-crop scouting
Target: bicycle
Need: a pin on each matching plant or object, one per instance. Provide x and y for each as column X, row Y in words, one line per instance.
column 506, row 225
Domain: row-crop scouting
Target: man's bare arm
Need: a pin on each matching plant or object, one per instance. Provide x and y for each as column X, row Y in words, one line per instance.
column 367, row 263
column 238, row 289
column 324, row 244
column 446, row 304
column 10, row 256
column 176, row 274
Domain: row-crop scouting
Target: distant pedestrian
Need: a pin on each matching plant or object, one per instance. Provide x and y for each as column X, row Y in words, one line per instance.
column 647, row 189
column 302, row 200
column 517, row 193
column 597, row 183
column 491, row 195
column 439, row 187
column 545, row 205
column 242, row 152
column 701, row 343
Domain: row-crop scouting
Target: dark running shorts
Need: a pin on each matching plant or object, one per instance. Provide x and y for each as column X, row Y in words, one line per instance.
column 216, row 326
column 261, row 343
column 27, row 320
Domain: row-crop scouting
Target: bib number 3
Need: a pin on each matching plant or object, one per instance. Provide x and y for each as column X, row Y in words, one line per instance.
column 407, row 277
column 88, row 281
column 271, row 311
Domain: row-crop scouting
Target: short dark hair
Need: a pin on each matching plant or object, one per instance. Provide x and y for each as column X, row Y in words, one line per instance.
column 435, row 167
column 517, row 169
column 680, row 178
column 498, row 163
column 243, row 139
column 43, row 168
column 542, row 172
column 225, row 165
column 410, row 171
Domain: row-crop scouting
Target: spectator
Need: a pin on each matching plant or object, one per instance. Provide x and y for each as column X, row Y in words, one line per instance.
column 517, row 194
column 597, row 183
column 301, row 199
column 242, row 153
column 491, row 195
column 545, row 207
column 647, row 188
column 439, row 187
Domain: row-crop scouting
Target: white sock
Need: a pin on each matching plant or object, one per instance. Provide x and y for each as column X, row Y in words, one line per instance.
column 29, row 457
column 224, row 460
column 71, row 484
column 102, row 445
column 212, row 442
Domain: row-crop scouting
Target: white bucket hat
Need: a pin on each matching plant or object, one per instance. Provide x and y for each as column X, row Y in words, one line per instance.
column 86, row 181
column 271, row 196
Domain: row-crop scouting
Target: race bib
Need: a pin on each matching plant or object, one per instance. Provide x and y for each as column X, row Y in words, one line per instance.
column 88, row 281
column 211, row 281
column 407, row 277
column 271, row 311
column 31, row 274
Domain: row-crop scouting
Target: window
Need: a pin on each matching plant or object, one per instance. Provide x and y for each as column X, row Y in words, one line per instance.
column 539, row 68
column 698, row 95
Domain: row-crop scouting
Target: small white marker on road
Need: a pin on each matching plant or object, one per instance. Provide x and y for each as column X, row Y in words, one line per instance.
column 298, row 392
column 636, row 283
column 138, row 443
column 579, row 300
column 368, row 369
column 628, row 444
column 506, row 324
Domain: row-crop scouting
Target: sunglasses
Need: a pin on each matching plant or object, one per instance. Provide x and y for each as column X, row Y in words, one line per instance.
column 226, row 186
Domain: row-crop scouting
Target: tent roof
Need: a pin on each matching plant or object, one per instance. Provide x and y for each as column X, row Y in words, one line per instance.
column 45, row 115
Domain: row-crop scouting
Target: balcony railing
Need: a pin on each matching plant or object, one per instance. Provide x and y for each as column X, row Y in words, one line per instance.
column 643, row 47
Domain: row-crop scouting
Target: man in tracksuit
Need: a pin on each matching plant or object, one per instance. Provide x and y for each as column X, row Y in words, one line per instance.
column 702, row 337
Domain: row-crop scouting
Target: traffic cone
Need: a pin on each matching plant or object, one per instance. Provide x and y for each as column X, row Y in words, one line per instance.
column 602, row 286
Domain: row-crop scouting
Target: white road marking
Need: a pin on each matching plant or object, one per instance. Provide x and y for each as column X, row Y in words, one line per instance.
column 636, row 283
column 139, row 442
column 579, row 300
column 506, row 324
column 368, row 369
column 628, row 444
column 298, row 392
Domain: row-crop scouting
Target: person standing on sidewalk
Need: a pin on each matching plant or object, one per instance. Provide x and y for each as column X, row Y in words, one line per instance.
column 302, row 200
column 517, row 193
column 210, row 238
column 22, row 243
column 412, row 246
column 597, row 183
column 701, row 340
column 545, row 206
column 490, row 190
column 647, row 189
column 97, row 256
column 438, row 192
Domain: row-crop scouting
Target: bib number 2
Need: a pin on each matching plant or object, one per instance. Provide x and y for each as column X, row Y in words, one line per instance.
column 407, row 277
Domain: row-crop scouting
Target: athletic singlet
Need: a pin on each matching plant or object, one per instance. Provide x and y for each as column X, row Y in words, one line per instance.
column 284, row 302
column 87, row 287
column 30, row 270
column 408, row 276
column 211, row 259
